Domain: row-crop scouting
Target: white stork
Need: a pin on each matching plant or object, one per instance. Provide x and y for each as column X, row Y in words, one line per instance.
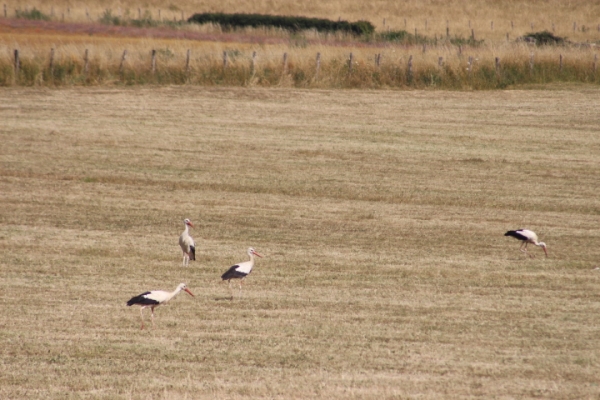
column 155, row 298
column 188, row 246
column 240, row 270
column 526, row 236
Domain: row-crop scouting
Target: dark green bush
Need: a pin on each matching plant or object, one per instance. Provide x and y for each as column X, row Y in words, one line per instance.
column 543, row 38
column 293, row 24
column 34, row 14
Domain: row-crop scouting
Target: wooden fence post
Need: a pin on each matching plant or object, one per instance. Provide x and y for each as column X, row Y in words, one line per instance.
column 473, row 34
column 51, row 64
column 560, row 63
column 122, row 65
column 17, row 64
column 492, row 25
column 318, row 67
column 531, row 63
column 285, row 62
column 470, row 66
column 378, row 60
column 253, row 70
column 350, row 64
column 409, row 70
column 595, row 65
column 497, row 62
column 187, row 62
column 224, row 61
column 153, row 61
column 85, row 62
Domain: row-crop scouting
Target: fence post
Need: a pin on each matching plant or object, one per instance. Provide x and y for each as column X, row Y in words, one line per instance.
column 560, row 63
column 285, row 62
column 350, row 64
column 224, row 61
column 409, row 70
column 473, row 34
column 497, row 62
column 318, row 66
column 17, row 64
column 122, row 65
column 470, row 66
column 595, row 65
column 85, row 62
column 153, row 61
column 253, row 72
column 51, row 64
column 531, row 63
column 378, row 60
column 5, row 13
column 187, row 62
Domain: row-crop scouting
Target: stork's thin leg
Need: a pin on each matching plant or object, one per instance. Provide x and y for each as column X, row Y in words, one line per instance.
column 241, row 281
column 152, row 308
column 142, row 315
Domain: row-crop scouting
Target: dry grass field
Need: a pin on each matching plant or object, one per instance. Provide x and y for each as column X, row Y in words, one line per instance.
column 491, row 19
column 380, row 216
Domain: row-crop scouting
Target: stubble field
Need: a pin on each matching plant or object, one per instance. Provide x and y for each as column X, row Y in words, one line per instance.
column 380, row 216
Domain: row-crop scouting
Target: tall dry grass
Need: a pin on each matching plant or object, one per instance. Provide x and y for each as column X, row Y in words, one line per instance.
column 491, row 20
column 442, row 66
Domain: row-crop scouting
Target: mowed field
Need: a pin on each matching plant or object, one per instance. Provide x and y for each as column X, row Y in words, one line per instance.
column 380, row 216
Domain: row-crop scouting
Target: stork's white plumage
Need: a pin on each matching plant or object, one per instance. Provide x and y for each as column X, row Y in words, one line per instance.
column 188, row 246
column 526, row 236
column 155, row 298
column 240, row 270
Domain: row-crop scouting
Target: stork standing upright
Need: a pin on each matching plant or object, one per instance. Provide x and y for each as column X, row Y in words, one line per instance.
column 526, row 236
column 155, row 298
column 240, row 270
column 187, row 243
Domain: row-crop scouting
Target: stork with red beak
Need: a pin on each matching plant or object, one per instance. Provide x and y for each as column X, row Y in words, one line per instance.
column 526, row 236
column 188, row 246
column 155, row 298
column 240, row 270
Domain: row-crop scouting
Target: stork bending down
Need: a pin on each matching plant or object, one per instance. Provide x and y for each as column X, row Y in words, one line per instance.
column 526, row 236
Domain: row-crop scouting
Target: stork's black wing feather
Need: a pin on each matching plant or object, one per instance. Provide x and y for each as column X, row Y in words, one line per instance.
column 516, row 235
column 233, row 273
column 141, row 300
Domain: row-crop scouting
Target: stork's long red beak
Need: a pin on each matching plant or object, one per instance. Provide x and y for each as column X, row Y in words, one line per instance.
column 545, row 251
column 188, row 290
column 190, row 224
column 256, row 254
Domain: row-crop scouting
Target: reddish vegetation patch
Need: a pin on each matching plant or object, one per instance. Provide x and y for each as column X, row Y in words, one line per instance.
column 31, row 26
column 97, row 29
